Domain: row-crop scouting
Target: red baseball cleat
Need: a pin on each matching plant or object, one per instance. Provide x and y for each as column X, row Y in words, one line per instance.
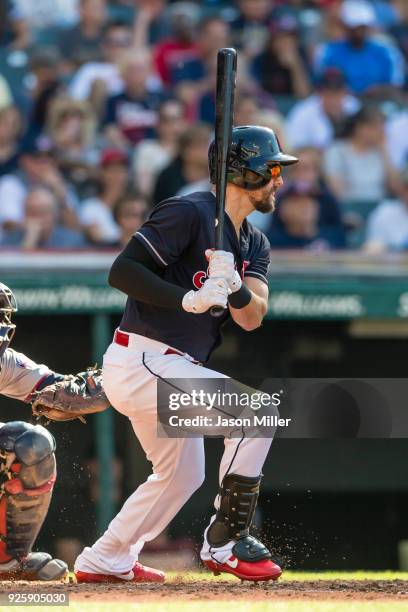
column 141, row 573
column 255, row 570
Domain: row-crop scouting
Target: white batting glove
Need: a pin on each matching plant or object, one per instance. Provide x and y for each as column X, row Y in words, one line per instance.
column 214, row 292
column 222, row 265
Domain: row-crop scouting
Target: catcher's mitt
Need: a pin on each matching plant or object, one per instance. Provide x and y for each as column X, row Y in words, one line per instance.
column 71, row 398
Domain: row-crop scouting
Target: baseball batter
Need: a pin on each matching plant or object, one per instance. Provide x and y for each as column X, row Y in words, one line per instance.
column 172, row 279
column 27, row 453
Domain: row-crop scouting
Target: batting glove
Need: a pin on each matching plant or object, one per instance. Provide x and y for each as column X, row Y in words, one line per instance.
column 222, row 265
column 214, row 292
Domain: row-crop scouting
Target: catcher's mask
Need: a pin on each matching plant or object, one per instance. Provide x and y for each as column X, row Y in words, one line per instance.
column 255, row 150
column 8, row 305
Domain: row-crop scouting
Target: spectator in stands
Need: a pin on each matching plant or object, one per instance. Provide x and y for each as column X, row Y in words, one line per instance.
column 42, row 14
column 358, row 169
column 297, row 223
column 150, row 25
column 212, row 35
column 203, row 107
column 14, row 31
column 246, row 109
column 275, row 121
column 387, row 226
column 105, row 74
column 280, row 69
column 368, row 66
column 194, row 80
column 41, row 228
column 181, row 45
column 190, row 165
column 10, row 132
column 249, row 100
column 386, row 12
column 399, row 30
column 309, row 175
column 132, row 115
column 397, row 141
column 250, row 30
column 201, row 185
column 45, row 64
column 82, row 42
column 318, row 21
column 96, row 213
column 130, row 213
column 153, row 154
column 316, row 121
column 37, row 167
column 6, row 97
column 71, row 129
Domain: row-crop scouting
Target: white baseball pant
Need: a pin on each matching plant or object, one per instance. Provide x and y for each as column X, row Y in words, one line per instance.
column 130, row 382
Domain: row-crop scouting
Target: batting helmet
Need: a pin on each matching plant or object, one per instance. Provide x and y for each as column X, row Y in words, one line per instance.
column 254, row 151
column 8, row 306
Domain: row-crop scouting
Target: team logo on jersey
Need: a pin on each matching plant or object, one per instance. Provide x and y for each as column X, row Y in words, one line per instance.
column 201, row 276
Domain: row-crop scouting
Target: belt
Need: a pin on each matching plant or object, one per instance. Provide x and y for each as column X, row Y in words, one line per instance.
column 123, row 338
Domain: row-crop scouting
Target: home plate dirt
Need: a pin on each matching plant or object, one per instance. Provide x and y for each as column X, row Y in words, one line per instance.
column 178, row 588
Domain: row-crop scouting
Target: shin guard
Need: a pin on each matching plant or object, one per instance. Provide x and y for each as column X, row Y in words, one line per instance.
column 27, row 473
column 239, row 496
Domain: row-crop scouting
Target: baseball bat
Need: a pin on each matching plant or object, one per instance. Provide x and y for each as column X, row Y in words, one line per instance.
column 224, row 111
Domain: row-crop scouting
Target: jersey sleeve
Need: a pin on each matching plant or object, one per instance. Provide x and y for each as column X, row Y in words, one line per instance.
column 20, row 376
column 171, row 228
column 259, row 264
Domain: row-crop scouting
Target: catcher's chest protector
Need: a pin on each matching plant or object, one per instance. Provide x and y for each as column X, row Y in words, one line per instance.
column 27, row 476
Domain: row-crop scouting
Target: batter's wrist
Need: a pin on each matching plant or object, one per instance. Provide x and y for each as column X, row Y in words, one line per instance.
column 240, row 298
column 236, row 283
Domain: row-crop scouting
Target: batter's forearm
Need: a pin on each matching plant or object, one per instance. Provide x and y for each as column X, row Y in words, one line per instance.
column 250, row 317
column 142, row 284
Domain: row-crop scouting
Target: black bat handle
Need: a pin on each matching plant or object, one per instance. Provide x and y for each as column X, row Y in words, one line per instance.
column 226, row 71
column 217, row 311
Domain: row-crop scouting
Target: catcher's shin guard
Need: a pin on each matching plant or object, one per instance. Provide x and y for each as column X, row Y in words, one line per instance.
column 27, row 476
column 250, row 559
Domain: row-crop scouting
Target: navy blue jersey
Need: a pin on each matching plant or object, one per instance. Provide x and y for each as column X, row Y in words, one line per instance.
column 177, row 234
column 135, row 117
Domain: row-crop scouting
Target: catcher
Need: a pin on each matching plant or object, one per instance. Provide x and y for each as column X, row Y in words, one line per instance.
column 27, row 452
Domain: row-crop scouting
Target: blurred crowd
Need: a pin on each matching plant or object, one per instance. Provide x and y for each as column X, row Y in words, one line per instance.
column 107, row 107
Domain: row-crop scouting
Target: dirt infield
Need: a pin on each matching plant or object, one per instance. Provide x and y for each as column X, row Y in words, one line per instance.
column 178, row 589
